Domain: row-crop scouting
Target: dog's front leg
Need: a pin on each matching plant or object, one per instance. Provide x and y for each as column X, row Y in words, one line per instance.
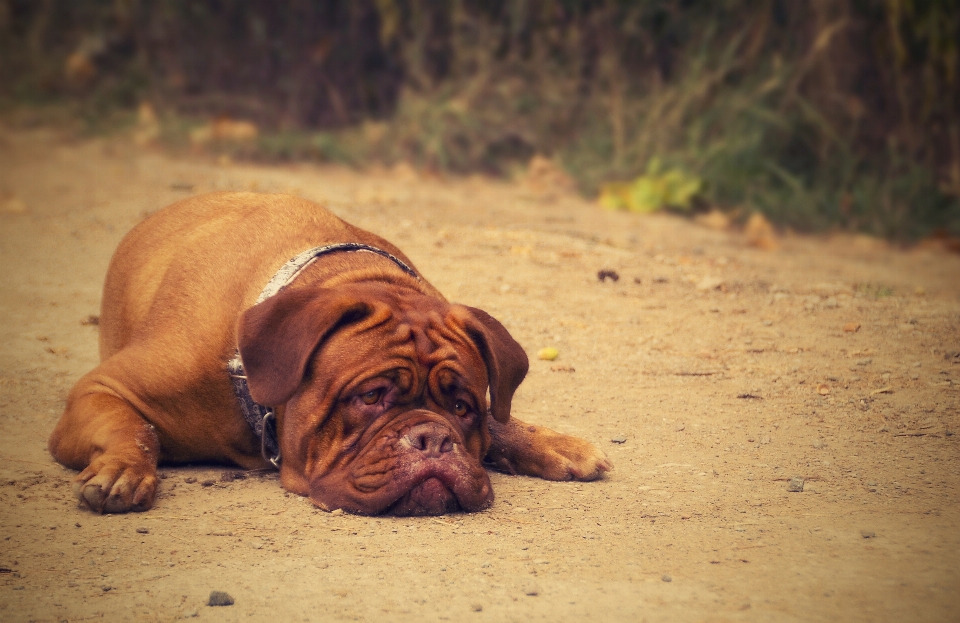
column 520, row 448
column 116, row 450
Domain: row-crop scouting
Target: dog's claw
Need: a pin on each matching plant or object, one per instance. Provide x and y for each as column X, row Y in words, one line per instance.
column 110, row 486
column 587, row 468
column 591, row 468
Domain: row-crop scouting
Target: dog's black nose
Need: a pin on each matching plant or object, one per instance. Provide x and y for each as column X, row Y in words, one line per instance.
column 430, row 439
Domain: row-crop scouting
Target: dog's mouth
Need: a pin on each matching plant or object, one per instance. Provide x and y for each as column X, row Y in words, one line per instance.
column 432, row 487
column 430, row 497
column 397, row 479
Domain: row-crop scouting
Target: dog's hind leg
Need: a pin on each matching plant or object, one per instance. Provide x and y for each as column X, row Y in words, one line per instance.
column 102, row 434
column 520, row 448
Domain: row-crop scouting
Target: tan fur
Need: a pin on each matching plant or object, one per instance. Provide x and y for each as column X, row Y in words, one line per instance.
column 176, row 288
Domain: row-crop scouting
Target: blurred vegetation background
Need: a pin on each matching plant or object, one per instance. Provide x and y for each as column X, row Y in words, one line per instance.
column 822, row 114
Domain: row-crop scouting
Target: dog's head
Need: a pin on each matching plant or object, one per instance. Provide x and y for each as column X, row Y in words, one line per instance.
column 381, row 394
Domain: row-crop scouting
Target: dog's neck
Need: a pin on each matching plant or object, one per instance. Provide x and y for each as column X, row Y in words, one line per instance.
column 302, row 262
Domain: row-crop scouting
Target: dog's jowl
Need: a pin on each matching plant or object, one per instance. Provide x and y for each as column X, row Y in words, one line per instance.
column 263, row 330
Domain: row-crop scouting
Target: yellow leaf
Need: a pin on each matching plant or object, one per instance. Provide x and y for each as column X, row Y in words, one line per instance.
column 613, row 196
column 652, row 191
column 548, row 354
column 646, row 194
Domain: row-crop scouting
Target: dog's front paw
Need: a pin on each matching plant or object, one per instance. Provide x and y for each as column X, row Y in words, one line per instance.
column 520, row 448
column 113, row 485
column 562, row 457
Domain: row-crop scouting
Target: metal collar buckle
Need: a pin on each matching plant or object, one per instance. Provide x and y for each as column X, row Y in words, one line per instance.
column 269, row 423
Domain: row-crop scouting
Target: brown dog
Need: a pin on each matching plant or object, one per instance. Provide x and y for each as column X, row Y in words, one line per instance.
column 367, row 383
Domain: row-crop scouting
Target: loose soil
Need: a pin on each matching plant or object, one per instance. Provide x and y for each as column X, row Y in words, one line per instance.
column 710, row 372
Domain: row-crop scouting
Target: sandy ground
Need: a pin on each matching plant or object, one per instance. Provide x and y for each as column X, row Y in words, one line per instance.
column 711, row 373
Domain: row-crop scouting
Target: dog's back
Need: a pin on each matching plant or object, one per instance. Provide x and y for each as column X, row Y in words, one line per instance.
column 206, row 256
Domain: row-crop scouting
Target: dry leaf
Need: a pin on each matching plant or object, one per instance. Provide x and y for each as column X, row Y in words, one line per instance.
column 714, row 219
column 404, row 172
column 224, row 129
column 760, row 232
column 13, row 205
column 546, row 176
column 147, row 129
column 79, row 70
column 851, row 327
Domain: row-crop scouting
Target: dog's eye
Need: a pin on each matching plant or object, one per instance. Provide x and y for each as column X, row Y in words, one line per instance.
column 461, row 408
column 372, row 396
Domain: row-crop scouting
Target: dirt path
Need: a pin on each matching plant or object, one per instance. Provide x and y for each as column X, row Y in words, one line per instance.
column 717, row 395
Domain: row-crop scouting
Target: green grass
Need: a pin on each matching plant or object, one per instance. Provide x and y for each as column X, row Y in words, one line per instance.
column 745, row 106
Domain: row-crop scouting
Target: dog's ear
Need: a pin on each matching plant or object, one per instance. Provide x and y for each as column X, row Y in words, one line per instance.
column 505, row 359
column 277, row 337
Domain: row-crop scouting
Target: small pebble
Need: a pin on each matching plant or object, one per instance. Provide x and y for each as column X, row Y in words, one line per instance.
column 531, row 590
column 143, row 531
column 190, row 480
column 219, row 598
column 795, row 485
column 666, row 578
column 709, row 283
column 619, row 439
column 819, row 444
column 868, row 534
column 476, row 607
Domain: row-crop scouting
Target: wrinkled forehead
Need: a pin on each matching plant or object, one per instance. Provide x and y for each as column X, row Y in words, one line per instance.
column 414, row 332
